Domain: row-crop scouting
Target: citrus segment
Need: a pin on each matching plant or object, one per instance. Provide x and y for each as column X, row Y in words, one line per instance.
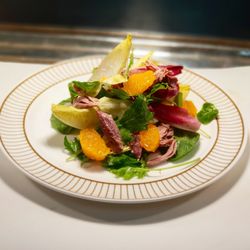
column 93, row 145
column 150, row 138
column 139, row 82
column 190, row 107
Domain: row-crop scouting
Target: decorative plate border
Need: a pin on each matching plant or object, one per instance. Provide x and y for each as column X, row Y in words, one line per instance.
column 229, row 144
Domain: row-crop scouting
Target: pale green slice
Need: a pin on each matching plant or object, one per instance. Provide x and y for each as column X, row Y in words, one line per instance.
column 141, row 62
column 114, row 62
column 84, row 118
column 118, row 78
column 76, row 118
column 113, row 106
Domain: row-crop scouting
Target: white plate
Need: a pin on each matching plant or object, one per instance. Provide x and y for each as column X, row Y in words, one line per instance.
column 37, row 149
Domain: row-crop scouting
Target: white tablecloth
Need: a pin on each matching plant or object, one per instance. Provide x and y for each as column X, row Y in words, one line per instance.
column 218, row 217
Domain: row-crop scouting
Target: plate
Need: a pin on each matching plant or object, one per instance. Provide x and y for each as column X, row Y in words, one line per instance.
column 37, row 150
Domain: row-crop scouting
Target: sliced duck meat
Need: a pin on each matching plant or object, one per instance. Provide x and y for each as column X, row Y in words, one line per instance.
column 160, row 70
column 110, row 131
column 135, row 146
column 166, row 135
column 156, row 158
column 84, row 102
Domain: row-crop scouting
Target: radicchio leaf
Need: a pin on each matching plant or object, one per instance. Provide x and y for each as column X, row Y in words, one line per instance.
column 175, row 116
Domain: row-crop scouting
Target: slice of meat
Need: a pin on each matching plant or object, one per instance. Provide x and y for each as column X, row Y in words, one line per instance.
column 166, row 135
column 157, row 157
column 84, row 102
column 135, row 146
column 110, row 131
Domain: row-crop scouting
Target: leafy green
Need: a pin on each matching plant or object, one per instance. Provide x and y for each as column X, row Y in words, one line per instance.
column 207, row 113
column 60, row 126
column 119, row 93
column 126, row 166
column 65, row 101
column 72, row 91
column 103, row 93
column 89, row 88
column 113, row 93
column 128, row 173
column 179, row 99
column 131, row 61
column 137, row 116
column 126, row 135
column 186, row 141
column 122, row 160
column 74, row 149
column 156, row 87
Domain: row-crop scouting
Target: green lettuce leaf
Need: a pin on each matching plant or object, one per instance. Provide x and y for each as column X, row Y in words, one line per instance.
column 89, row 88
column 60, row 126
column 137, row 116
column 186, row 142
column 126, row 166
column 74, row 149
column 207, row 113
column 128, row 173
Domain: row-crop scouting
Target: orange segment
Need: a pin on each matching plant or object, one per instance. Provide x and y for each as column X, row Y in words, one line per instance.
column 190, row 107
column 93, row 146
column 138, row 83
column 150, row 138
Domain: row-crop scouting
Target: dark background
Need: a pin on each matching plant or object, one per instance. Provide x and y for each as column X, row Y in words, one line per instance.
column 228, row 19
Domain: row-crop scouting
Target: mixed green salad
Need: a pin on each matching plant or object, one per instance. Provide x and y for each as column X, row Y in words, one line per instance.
column 131, row 115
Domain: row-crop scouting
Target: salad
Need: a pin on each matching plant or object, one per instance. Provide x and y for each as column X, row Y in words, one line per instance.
column 131, row 115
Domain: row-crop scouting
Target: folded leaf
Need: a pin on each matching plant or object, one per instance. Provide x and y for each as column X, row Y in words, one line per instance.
column 175, row 116
column 114, row 62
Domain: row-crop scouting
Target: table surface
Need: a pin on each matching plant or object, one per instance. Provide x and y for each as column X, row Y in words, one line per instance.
column 218, row 217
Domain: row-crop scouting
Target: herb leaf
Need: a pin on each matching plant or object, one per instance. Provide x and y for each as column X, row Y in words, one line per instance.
column 119, row 93
column 128, row 173
column 126, row 166
column 207, row 113
column 157, row 87
column 74, row 149
column 122, row 160
column 186, row 141
column 113, row 93
column 131, row 61
column 137, row 116
column 72, row 91
column 126, row 135
column 89, row 88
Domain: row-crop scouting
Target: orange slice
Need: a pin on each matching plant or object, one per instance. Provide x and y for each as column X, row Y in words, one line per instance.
column 150, row 138
column 93, row 145
column 138, row 83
